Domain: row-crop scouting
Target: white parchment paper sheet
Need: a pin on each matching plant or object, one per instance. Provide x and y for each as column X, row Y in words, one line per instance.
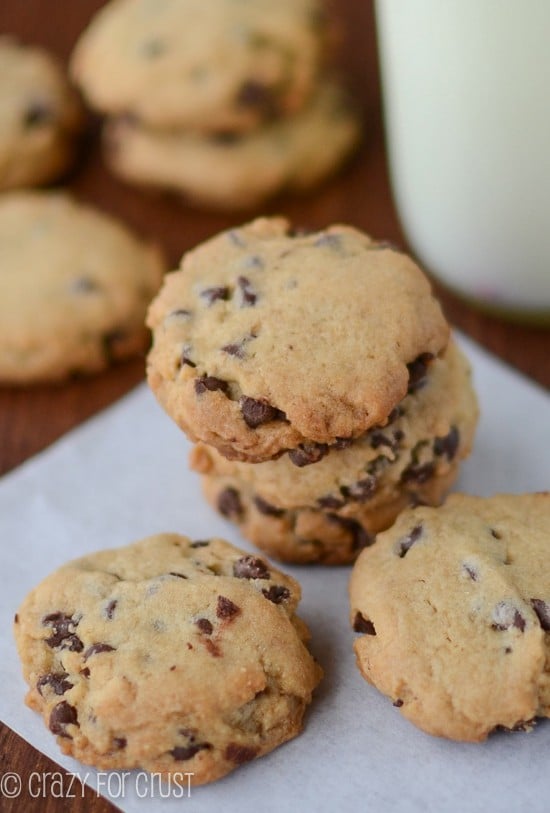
column 123, row 475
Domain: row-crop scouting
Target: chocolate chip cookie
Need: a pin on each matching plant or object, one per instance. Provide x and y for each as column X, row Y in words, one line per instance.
column 170, row 655
column 267, row 339
column 452, row 606
column 40, row 116
column 230, row 171
column 330, row 508
column 211, row 66
column 74, row 288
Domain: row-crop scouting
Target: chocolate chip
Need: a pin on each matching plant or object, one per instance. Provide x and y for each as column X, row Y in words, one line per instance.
column 236, row 349
column 37, row 114
column 448, row 444
column 418, row 370
column 248, row 294
column 250, row 567
column 397, row 412
column 204, row 626
column 239, row 753
column 119, row 742
column 471, row 571
column 200, row 543
column 61, row 716
column 276, row 593
column 183, row 752
column 226, row 609
column 359, row 537
column 362, row 624
column 307, row 453
column 542, row 609
column 185, row 358
column 63, row 634
column 398, row 703
column 257, row 412
column 496, row 534
column 254, row 94
column 505, row 616
column 210, row 383
column 229, row 503
column 362, row 490
column 378, row 438
column 110, row 608
column 418, row 472
column 56, row 681
column 406, row 543
column 16, row 619
column 85, row 672
column 342, row 443
column 217, row 292
column 178, row 575
column 330, row 502
column 95, row 649
column 266, row 508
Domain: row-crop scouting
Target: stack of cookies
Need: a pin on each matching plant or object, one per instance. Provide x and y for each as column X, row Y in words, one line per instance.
column 225, row 101
column 316, row 373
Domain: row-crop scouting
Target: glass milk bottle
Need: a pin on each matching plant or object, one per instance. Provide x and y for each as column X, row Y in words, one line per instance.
column 466, row 86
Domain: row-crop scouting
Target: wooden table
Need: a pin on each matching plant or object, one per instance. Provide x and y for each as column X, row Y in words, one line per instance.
column 32, row 419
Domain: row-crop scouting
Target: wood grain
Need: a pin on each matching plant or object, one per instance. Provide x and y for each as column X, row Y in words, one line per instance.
column 32, row 419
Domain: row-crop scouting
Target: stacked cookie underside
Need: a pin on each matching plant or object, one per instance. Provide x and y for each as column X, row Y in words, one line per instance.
column 250, row 109
column 319, row 414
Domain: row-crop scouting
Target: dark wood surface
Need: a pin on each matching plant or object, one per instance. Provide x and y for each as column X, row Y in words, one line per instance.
column 32, row 419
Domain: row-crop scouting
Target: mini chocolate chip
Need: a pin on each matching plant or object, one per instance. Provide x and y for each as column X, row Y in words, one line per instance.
column 448, row 444
column 229, row 503
column 248, row 294
column 250, row 567
column 496, row 534
column 37, row 114
column 236, row 349
column 505, row 616
column 362, row 490
column 239, row 753
column 226, row 609
column 120, row 742
column 471, row 571
column 276, row 593
column 360, row 538
column 307, row 453
column 397, row 412
column 507, row 650
column 210, row 383
column 418, row 473
column 110, row 608
column 406, row 543
column 418, row 370
column 56, row 681
column 362, row 624
column 16, row 619
column 266, row 508
column 257, row 412
column 204, row 626
column 200, row 543
column 62, row 635
column 95, row 649
column 378, row 438
column 186, row 359
column 178, row 575
column 61, row 716
column 398, row 703
column 542, row 609
column 183, row 752
column 85, row 672
column 217, row 292
column 330, row 502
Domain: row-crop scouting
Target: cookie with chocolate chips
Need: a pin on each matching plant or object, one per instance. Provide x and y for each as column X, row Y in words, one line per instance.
column 268, row 340
column 452, row 606
column 174, row 656
column 220, row 65
column 329, row 509
column 235, row 172
column 74, row 288
column 40, row 116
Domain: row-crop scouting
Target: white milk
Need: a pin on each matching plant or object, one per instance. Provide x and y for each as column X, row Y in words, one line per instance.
column 467, row 106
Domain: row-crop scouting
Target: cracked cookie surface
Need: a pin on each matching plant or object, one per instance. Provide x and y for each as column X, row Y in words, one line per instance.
column 74, row 288
column 215, row 65
column 266, row 339
column 170, row 655
column 40, row 116
column 453, row 608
